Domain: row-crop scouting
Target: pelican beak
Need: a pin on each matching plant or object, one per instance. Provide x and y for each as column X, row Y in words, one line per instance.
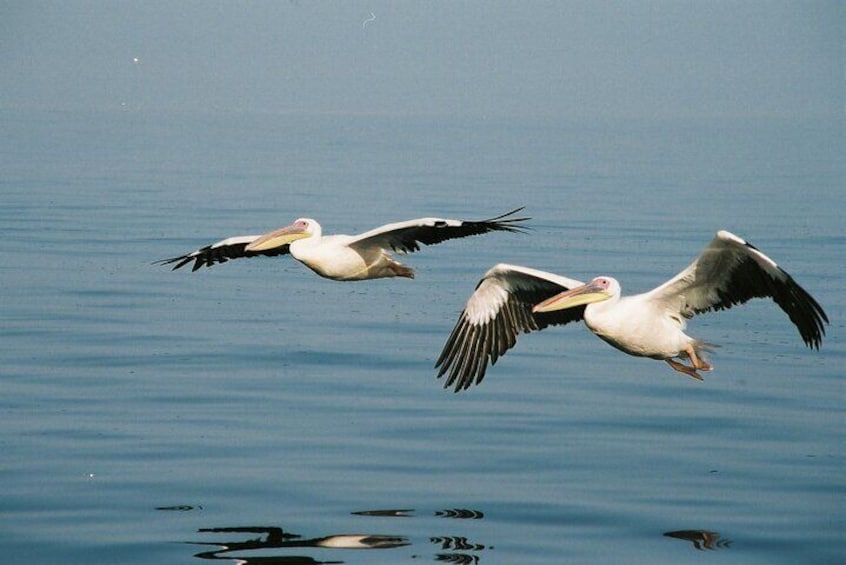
column 278, row 238
column 585, row 294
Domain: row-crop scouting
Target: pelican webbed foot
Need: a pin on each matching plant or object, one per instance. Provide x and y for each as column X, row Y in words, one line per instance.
column 682, row 368
column 696, row 364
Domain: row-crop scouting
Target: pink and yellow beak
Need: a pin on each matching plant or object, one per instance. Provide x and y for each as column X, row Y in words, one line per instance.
column 585, row 294
column 278, row 238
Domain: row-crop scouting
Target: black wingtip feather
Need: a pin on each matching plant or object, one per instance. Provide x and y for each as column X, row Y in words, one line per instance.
column 472, row 348
column 505, row 222
column 803, row 310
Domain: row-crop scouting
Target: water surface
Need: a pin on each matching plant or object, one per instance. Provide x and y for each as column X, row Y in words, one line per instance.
column 256, row 412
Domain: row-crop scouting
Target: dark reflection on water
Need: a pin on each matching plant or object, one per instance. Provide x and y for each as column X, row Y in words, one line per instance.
column 458, row 549
column 460, row 513
column 701, row 539
column 398, row 513
column 450, row 549
column 179, row 508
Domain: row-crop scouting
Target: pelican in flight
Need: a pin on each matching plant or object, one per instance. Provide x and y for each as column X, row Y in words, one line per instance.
column 347, row 257
column 511, row 299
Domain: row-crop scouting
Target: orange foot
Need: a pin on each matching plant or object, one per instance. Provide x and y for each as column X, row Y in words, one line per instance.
column 697, row 363
column 681, row 368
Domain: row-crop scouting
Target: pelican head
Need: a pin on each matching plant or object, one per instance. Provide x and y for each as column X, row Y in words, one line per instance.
column 597, row 290
column 300, row 229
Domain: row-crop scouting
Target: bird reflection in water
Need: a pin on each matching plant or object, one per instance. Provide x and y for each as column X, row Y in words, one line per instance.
column 451, row 549
column 457, row 549
column 701, row 539
column 458, row 513
column 276, row 538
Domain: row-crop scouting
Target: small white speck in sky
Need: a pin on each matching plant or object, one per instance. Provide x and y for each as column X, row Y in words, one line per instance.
column 368, row 20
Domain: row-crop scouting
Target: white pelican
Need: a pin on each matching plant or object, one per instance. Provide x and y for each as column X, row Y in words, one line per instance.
column 511, row 299
column 347, row 257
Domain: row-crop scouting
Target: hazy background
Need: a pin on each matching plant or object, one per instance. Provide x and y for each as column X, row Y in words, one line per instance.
column 488, row 58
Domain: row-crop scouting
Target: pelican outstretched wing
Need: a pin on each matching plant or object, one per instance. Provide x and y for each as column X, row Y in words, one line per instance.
column 406, row 237
column 731, row 271
column 496, row 313
column 221, row 252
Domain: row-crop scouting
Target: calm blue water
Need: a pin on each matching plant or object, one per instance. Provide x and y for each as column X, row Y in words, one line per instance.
column 253, row 412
